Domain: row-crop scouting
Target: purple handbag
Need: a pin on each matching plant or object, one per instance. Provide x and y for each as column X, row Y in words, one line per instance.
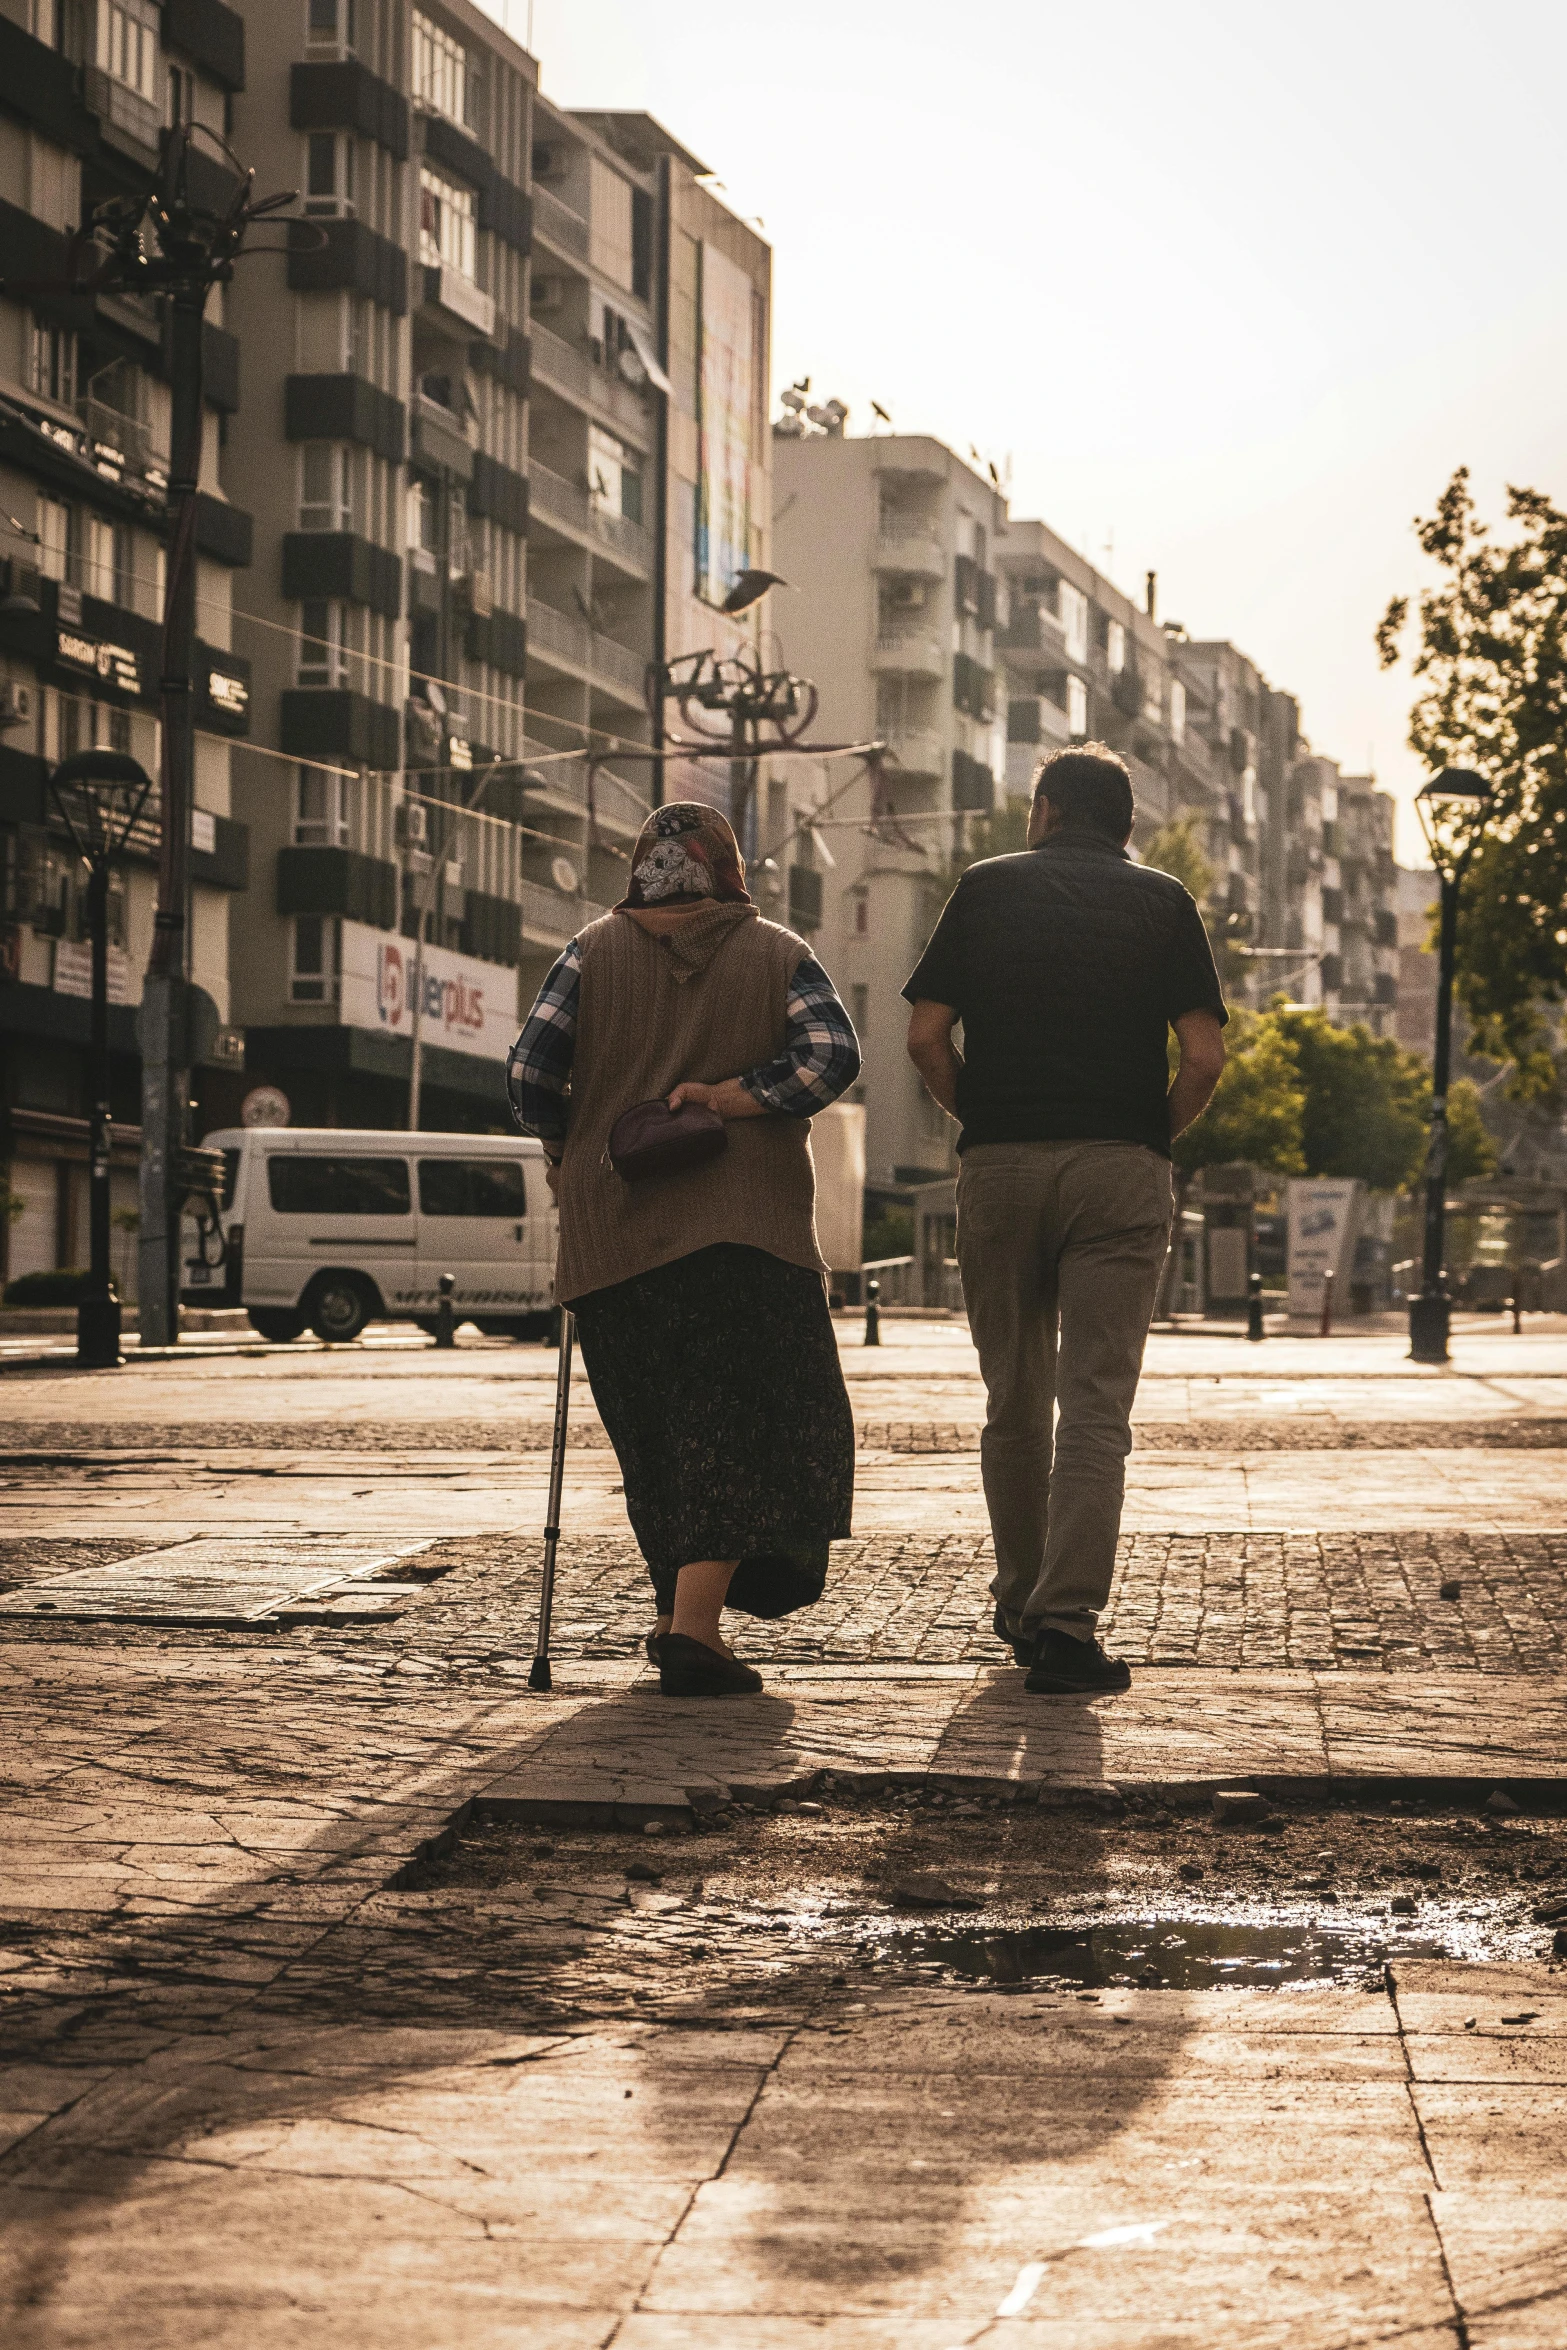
column 652, row 1139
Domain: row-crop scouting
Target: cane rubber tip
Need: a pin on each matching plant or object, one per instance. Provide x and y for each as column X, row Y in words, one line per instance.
column 539, row 1676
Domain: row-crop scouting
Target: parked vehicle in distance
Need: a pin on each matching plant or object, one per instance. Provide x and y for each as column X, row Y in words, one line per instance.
column 327, row 1228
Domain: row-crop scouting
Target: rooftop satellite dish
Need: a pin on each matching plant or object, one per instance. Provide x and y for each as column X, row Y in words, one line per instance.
column 792, row 399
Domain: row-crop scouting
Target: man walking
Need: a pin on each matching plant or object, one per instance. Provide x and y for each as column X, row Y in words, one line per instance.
column 1067, row 966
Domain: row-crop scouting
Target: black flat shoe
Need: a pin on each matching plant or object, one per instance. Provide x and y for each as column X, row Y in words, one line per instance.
column 1064, row 1667
column 651, row 1645
column 688, row 1668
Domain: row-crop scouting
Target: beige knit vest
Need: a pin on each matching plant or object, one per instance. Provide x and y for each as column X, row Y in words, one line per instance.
column 652, row 1013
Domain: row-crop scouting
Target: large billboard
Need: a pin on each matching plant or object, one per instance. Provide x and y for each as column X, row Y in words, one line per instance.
column 726, row 387
column 470, row 1007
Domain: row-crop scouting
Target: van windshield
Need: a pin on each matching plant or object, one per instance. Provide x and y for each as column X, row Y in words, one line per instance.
column 300, row 1186
column 471, row 1187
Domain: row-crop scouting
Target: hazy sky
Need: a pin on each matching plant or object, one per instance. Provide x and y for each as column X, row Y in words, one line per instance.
column 1232, row 287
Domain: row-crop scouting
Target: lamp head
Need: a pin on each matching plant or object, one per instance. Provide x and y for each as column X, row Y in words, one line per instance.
column 100, row 794
column 1452, row 808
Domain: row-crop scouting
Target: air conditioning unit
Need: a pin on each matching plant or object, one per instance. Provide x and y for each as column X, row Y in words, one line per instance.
column 16, row 704
column 906, row 595
column 548, row 295
column 330, row 207
column 413, row 826
column 477, row 590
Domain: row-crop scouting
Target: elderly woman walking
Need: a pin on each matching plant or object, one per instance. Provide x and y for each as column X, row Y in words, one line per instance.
column 698, row 1285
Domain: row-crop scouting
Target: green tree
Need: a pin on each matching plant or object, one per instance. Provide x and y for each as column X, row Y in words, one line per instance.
column 1490, row 657
column 1302, row 1096
column 1258, row 1107
column 1470, row 1148
column 1367, row 1100
column 1175, row 849
column 1002, row 834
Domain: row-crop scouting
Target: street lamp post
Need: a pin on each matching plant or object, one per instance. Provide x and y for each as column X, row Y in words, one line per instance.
column 1451, row 808
column 99, row 795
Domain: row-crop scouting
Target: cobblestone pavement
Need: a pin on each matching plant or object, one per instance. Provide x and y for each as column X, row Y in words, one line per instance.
column 45, row 1441
column 1297, row 1601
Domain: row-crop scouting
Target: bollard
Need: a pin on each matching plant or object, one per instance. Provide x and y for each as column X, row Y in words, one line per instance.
column 1517, row 1301
column 873, row 1312
column 1254, row 1329
column 445, row 1319
column 1326, row 1331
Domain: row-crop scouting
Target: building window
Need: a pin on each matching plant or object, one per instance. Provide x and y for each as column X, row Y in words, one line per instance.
column 329, row 24
column 614, row 475
column 440, row 70
column 181, row 96
column 322, row 658
column 51, row 364
column 1115, row 648
column 1177, row 711
column 423, row 518
column 329, row 173
column 323, row 813
column 326, row 488
column 448, row 224
column 1076, row 708
column 1074, row 621
column 128, row 44
column 317, row 959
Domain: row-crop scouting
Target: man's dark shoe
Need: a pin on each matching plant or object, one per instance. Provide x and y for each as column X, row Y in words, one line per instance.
column 689, row 1668
column 1064, row 1667
column 1022, row 1644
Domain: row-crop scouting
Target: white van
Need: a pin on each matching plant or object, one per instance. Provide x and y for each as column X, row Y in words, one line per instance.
column 327, row 1228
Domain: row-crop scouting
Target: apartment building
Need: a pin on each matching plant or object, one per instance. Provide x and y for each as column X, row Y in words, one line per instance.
column 87, row 91
column 1341, row 895
column 506, row 446
column 384, row 457
column 890, row 548
column 650, row 460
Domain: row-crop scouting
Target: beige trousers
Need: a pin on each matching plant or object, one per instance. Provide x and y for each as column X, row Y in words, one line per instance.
column 1061, row 1246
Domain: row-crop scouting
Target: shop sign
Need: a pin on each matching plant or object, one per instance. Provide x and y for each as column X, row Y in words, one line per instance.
column 468, row 1006
column 73, row 971
column 1324, row 1224
column 111, row 664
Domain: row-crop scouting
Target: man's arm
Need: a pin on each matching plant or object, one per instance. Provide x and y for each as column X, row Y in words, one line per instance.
column 933, row 1052
column 1202, row 1064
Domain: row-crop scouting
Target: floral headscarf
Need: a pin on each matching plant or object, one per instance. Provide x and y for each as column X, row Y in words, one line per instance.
column 684, row 853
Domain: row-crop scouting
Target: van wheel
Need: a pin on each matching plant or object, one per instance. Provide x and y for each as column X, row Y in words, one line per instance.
column 339, row 1308
column 278, row 1325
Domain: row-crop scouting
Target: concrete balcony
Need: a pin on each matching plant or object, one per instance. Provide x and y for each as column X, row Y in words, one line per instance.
column 920, row 554
column 916, row 751
column 567, row 643
column 562, row 789
column 458, row 301
column 553, row 917
column 909, row 653
column 572, row 376
column 555, row 500
column 556, row 224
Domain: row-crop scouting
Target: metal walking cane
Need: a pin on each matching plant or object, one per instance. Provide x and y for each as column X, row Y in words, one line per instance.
column 539, row 1671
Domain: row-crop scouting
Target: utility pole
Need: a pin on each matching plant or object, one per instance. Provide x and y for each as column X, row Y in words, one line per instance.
column 165, row 1084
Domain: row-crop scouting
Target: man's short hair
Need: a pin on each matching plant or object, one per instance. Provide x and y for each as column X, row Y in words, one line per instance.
column 1088, row 785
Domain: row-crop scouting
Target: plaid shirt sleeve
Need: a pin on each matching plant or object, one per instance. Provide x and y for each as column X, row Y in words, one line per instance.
column 538, row 1067
column 821, row 1055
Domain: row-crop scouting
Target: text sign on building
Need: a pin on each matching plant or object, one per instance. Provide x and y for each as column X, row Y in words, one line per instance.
column 73, row 971
column 469, row 1007
column 111, row 664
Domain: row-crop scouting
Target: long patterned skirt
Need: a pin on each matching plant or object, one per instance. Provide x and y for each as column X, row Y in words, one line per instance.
column 717, row 1378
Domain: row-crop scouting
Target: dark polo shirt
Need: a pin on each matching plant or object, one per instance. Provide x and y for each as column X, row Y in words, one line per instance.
column 1067, row 966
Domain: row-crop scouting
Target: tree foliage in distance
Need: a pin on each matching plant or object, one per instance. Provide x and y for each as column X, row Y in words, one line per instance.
column 1491, row 660
column 1301, row 1095
column 1257, row 1113
column 1175, row 849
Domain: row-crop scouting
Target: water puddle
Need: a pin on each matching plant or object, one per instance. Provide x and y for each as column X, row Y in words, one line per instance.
column 1162, row 1954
